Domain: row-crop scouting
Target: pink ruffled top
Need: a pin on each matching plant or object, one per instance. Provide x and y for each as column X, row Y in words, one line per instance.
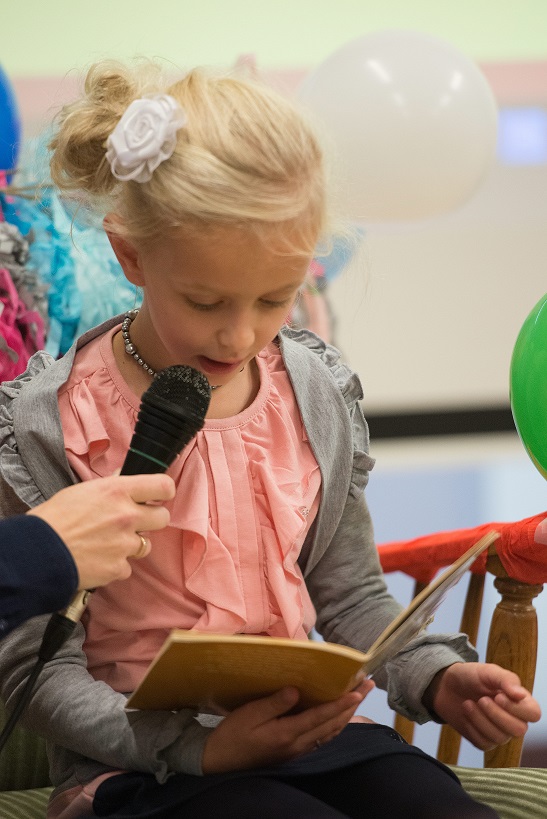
column 248, row 488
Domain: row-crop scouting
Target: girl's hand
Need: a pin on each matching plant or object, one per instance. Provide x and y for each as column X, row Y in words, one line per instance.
column 483, row 702
column 261, row 732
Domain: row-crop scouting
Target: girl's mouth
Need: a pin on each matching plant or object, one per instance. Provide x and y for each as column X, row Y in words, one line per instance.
column 209, row 365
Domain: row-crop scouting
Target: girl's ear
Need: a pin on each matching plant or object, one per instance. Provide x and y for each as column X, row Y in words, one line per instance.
column 126, row 253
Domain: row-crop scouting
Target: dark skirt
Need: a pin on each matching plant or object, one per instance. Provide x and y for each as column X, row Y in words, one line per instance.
column 138, row 795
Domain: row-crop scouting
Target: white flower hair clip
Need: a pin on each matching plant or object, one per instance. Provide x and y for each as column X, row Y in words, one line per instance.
column 144, row 137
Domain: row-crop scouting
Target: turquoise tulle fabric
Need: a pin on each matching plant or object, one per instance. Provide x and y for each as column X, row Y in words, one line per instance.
column 69, row 254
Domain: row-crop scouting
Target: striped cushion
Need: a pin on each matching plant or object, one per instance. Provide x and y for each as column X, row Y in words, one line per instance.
column 516, row 793
column 23, row 763
column 30, row 804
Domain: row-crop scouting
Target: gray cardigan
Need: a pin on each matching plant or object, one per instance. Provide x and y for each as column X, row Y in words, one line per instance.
column 87, row 728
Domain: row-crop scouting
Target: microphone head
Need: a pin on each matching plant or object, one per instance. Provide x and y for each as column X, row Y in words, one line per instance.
column 183, row 386
column 179, row 395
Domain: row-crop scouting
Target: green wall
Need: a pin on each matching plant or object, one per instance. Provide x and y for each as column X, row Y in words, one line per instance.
column 51, row 37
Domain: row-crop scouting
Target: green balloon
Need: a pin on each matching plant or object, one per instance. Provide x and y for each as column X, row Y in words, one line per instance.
column 528, row 385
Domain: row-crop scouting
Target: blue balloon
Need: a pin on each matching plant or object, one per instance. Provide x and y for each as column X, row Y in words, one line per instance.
column 342, row 250
column 10, row 125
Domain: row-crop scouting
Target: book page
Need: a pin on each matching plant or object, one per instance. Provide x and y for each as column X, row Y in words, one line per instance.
column 419, row 613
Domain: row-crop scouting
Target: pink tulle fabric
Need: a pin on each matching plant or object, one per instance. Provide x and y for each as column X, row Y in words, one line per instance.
column 22, row 330
column 247, row 491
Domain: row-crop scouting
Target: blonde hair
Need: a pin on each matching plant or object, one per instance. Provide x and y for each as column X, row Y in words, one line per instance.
column 247, row 156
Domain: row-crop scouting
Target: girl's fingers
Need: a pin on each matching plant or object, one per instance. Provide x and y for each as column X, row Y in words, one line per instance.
column 320, row 715
column 492, row 722
column 322, row 730
column 293, row 734
column 273, row 707
column 509, row 722
column 480, row 731
column 526, row 709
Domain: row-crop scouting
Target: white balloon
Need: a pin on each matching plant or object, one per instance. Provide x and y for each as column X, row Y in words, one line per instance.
column 413, row 123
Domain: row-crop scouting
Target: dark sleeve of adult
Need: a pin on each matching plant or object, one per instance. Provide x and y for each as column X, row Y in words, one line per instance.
column 37, row 572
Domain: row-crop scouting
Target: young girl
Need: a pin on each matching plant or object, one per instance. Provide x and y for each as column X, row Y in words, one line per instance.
column 217, row 205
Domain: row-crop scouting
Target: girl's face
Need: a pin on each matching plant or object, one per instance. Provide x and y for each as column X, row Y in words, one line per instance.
column 210, row 301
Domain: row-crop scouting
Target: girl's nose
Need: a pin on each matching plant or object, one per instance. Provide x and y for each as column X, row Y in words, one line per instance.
column 237, row 337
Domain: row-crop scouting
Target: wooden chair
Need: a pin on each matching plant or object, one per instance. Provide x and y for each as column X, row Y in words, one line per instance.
column 515, row 792
column 512, row 643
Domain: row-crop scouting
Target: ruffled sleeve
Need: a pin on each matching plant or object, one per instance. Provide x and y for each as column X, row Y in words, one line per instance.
column 12, row 467
column 349, row 385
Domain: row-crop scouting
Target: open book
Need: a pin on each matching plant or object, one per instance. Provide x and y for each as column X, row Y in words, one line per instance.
column 219, row 672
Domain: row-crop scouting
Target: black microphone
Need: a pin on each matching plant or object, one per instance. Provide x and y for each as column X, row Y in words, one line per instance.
column 172, row 411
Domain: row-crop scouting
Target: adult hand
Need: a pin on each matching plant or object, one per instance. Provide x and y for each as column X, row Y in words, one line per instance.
column 99, row 520
column 540, row 534
column 483, row 702
column 262, row 732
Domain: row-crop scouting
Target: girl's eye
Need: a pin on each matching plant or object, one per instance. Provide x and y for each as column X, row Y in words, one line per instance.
column 274, row 304
column 270, row 304
column 195, row 305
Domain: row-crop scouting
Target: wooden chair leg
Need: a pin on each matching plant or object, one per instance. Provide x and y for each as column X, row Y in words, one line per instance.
column 512, row 643
column 448, row 749
column 405, row 727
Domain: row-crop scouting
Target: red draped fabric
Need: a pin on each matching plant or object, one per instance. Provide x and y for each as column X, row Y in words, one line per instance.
column 522, row 558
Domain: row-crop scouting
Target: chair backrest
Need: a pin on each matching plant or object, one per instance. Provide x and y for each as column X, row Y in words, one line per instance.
column 512, row 643
column 23, row 761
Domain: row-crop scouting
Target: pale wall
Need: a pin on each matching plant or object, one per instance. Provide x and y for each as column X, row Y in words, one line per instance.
column 60, row 36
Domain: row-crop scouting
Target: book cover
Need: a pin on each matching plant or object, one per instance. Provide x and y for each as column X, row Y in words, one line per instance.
column 219, row 672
